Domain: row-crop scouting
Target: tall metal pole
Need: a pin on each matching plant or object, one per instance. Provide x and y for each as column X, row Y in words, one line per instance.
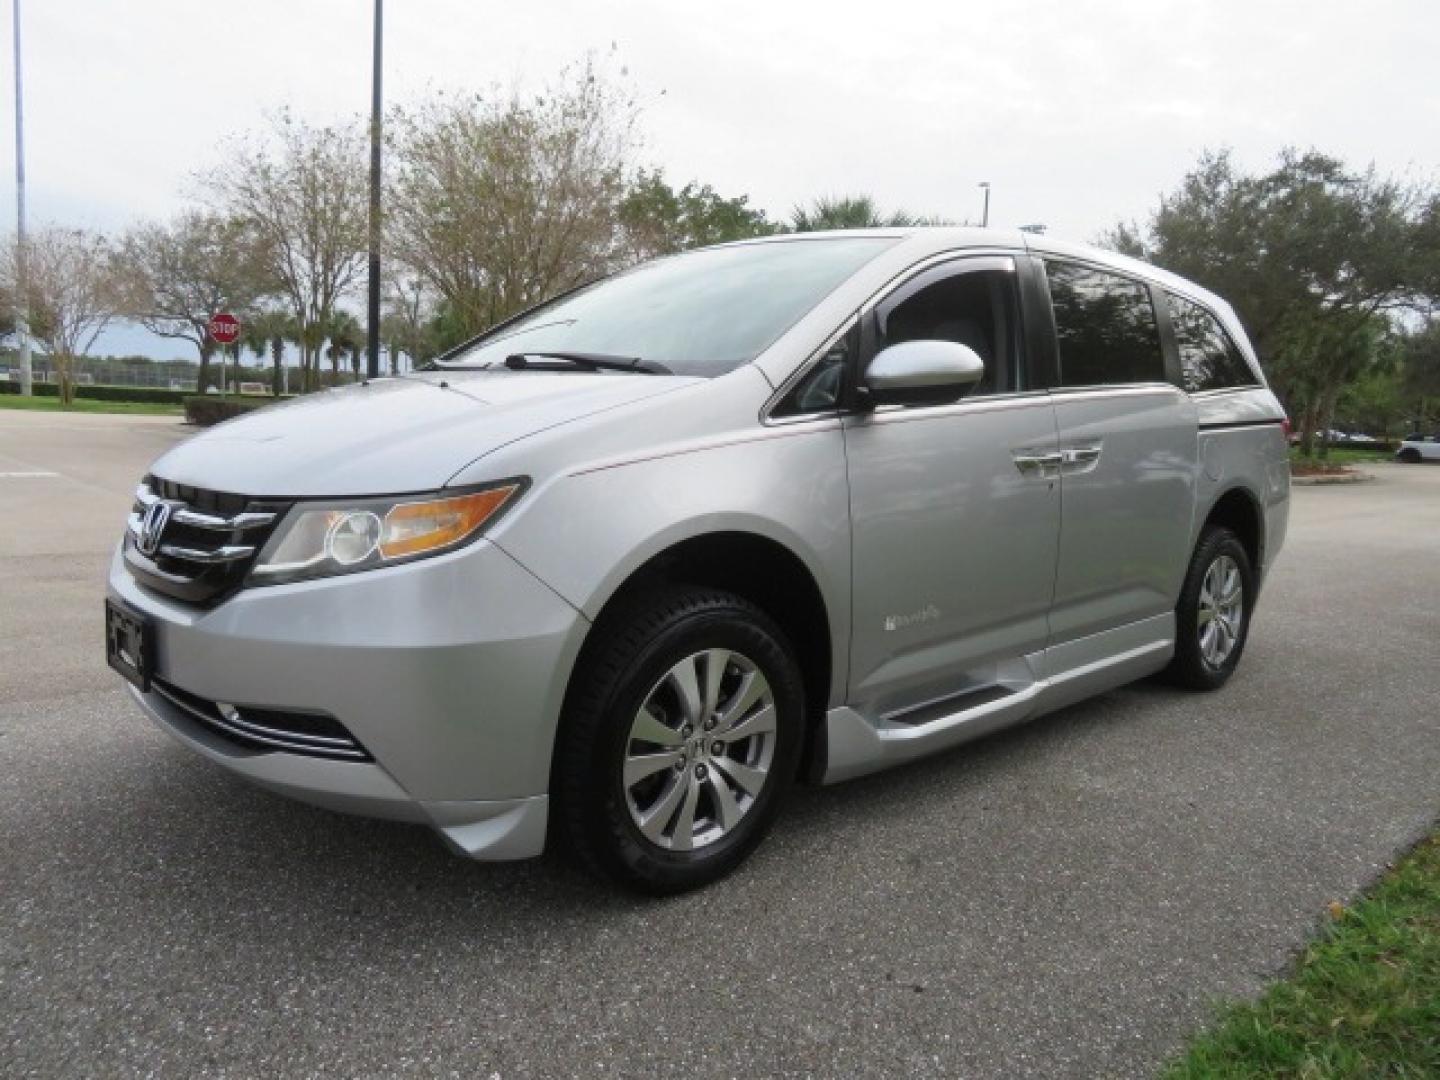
column 22, row 270
column 985, row 215
column 372, row 342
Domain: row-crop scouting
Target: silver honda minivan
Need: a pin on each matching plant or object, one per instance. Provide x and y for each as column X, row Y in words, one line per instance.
column 621, row 569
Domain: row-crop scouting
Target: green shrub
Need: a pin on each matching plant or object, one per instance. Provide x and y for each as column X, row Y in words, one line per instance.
column 204, row 410
column 150, row 395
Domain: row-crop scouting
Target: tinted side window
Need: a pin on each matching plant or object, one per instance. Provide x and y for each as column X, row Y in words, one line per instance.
column 1209, row 359
column 1106, row 327
column 974, row 306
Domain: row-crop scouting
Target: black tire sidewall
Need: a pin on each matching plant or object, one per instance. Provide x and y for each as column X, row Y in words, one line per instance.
column 670, row 626
column 1189, row 667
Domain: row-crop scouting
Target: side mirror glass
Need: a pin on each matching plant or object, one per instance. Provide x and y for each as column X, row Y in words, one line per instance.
column 922, row 373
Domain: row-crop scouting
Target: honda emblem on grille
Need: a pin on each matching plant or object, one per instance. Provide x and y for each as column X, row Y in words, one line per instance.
column 152, row 526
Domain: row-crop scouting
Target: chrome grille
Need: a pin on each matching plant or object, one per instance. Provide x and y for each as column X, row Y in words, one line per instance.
column 313, row 734
column 192, row 544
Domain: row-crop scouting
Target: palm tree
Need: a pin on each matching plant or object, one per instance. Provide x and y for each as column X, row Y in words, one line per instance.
column 347, row 341
column 270, row 331
column 312, row 335
column 853, row 212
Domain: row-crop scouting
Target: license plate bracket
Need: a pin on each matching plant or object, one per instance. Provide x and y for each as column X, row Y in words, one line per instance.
column 129, row 644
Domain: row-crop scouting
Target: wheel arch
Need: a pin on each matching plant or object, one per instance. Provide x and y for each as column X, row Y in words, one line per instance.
column 754, row 565
column 1238, row 509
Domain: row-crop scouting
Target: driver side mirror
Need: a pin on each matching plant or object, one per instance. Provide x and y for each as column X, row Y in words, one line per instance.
column 921, row 373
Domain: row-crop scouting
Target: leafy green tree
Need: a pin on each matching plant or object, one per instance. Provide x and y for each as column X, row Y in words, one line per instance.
column 1375, row 403
column 1420, row 379
column 1316, row 258
column 1323, row 353
column 658, row 219
column 446, row 328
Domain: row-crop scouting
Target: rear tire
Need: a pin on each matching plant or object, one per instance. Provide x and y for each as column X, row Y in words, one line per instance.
column 1212, row 619
column 1409, row 455
column 681, row 737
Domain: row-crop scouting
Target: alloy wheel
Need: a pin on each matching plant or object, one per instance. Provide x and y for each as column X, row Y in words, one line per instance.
column 699, row 750
column 1221, row 611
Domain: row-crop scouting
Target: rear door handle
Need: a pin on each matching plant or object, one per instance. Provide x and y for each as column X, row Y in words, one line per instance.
column 1078, row 458
column 1037, row 463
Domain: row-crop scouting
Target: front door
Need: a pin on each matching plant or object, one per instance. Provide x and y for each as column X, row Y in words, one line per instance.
column 955, row 509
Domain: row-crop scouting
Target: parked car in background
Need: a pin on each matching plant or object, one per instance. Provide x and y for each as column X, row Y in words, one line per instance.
column 1417, row 448
column 625, row 566
column 1362, row 441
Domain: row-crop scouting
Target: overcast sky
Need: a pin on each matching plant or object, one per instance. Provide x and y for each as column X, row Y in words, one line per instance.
column 1079, row 113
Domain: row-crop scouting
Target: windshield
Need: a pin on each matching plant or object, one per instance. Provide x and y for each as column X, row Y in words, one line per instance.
column 703, row 313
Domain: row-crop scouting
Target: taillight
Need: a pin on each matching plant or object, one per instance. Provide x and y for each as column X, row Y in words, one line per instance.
column 1285, row 427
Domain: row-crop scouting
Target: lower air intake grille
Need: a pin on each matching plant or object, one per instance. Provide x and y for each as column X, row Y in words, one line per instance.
column 313, row 734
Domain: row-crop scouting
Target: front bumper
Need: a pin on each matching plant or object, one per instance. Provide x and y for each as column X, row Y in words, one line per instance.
column 449, row 671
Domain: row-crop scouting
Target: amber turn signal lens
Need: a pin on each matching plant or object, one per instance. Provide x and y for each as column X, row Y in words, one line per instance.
column 418, row 527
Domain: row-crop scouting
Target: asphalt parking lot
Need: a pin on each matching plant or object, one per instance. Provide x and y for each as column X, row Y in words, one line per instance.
column 1065, row 899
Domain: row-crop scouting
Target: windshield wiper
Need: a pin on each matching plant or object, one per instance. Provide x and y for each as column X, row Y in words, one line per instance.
column 587, row 360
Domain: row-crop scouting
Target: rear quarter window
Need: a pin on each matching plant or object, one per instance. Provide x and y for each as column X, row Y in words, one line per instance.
column 1209, row 357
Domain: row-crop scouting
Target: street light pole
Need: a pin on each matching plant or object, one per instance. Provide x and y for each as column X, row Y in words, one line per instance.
column 985, row 215
column 22, row 271
column 372, row 351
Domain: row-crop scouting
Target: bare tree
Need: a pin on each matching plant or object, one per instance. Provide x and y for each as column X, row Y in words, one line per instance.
column 499, row 204
column 177, row 275
column 73, row 293
column 303, row 192
column 408, row 326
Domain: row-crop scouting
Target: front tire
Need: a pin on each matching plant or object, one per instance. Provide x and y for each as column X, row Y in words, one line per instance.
column 1212, row 619
column 1409, row 455
column 681, row 736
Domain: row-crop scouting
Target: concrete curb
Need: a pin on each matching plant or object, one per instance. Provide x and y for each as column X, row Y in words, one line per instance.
column 1353, row 477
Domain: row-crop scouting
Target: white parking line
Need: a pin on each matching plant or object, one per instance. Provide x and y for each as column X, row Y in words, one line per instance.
column 31, row 475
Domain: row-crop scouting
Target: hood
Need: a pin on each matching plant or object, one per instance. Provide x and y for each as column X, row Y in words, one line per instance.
column 393, row 435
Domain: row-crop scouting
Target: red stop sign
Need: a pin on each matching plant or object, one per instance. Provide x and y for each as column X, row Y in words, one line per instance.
column 224, row 327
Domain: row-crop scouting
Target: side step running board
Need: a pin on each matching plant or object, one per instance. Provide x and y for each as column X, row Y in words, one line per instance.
column 856, row 745
column 964, row 702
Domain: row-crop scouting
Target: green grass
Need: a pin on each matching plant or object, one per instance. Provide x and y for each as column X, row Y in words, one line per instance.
column 86, row 405
column 1364, row 1000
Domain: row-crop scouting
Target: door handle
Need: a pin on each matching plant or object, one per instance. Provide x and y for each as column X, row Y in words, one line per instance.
column 1033, row 463
column 1079, row 457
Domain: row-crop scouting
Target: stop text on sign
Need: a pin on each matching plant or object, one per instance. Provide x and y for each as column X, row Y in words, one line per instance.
column 224, row 328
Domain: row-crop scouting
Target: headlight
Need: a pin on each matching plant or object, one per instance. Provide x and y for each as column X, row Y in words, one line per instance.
column 341, row 537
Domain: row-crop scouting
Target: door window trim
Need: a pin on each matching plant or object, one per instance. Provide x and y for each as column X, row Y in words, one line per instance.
column 899, row 281
column 931, row 262
column 978, row 263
